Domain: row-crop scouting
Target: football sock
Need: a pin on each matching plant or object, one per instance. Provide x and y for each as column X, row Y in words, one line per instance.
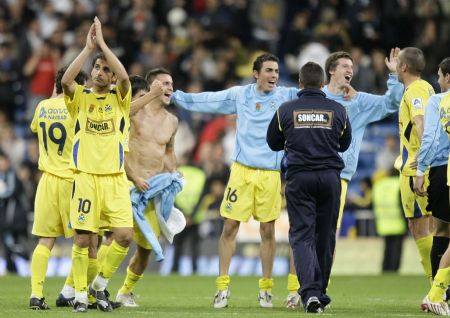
column 424, row 247
column 113, row 258
column 101, row 253
column 92, row 270
column 292, row 283
column 39, row 263
column 440, row 284
column 130, row 282
column 80, row 263
column 265, row 284
column 222, row 282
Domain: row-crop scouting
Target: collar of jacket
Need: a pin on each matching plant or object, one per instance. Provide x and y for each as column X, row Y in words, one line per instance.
column 311, row 92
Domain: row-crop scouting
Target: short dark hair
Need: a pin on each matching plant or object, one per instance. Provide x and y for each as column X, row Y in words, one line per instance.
column 151, row 75
column 81, row 78
column 445, row 66
column 257, row 64
column 414, row 58
column 311, row 75
column 98, row 56
column 138, row 83
column 332, row 62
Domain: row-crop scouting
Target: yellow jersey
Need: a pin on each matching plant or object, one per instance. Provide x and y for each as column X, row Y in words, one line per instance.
column 54, row 128
column 99, row 125
column 413, row 104
column 444, row 111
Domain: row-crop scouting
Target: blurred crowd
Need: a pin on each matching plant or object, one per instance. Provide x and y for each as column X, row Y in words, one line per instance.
column 208, row 45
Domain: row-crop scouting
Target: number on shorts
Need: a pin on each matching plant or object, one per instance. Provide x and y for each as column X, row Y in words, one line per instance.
column 231, row 195
column 84, row 205
column 61, row 141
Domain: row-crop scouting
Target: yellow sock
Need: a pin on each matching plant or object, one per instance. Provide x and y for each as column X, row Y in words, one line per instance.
column 130, row 281
column 292, row 283
column 440, row 284
column 113, row 258
column 424, row 247
column 222, row 282
column 39, row 263
column 92, row 270
column 69, row 279
column 265, row 284
column 101, row 253
column 80, row 263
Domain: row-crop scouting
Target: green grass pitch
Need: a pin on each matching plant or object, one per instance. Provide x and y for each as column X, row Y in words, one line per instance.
column 176, row 296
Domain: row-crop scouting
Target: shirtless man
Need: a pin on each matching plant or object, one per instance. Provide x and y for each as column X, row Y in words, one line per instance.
column 151, row 153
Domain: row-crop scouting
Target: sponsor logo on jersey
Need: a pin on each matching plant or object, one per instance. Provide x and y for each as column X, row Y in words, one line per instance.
column 42, row 113
column 91, row 108
column 102, row 127
column 313, row 119
column 417, row 103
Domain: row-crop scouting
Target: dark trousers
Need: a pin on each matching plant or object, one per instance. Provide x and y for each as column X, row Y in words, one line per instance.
column 191, row 236
column 393, row 245
column 313, row 206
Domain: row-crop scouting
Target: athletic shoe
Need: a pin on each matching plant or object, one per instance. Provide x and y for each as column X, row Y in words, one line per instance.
column 440, row 309
column 102, row 301
column 265, row 299
column 62, row 301
column 292, row 301
column 313, row 305
column 38, row 303
column 80, row 307
column 221, row 298
column 127, row 300
column 424, row 304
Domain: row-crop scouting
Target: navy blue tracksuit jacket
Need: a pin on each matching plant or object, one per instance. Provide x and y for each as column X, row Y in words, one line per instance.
column 312, row 130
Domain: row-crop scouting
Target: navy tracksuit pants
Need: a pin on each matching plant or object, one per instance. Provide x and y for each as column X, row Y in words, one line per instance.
column 313, row 199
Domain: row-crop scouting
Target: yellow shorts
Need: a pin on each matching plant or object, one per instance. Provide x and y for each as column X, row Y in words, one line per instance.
column 252, row 192
column 414, row 206
column 344, row 187
column 52, row 207
column 152, row 219
column 100, row 201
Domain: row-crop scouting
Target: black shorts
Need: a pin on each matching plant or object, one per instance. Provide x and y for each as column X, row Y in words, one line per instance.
column 438, row 197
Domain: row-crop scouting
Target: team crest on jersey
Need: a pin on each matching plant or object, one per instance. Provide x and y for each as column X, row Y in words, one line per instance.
column 417, row 103
column 91, row 108
column 108, row 108
column 42, row 113
column 272, row 106
column 228, row 207
column 81, row 219
column 100, row 110
column 258, row 107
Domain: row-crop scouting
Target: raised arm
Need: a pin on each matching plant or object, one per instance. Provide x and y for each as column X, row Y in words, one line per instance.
column 221, row 102
column 156, row 90
column 275, row 137
column 68, row 79
column 123, row 82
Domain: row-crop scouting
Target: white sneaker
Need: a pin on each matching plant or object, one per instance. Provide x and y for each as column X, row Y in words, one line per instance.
column 313, row 305
column 127, row 300
column 265, row 299
column 293, row 300
column 221, row 298
column 440, row 309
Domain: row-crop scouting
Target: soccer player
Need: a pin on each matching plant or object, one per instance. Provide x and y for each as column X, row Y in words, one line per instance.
column 312, row 130
column 100, row 189
column 362, row 109
column 254, row 186
column 151, row 153
column 54, row 128
column 411, row 62
column 433, row 152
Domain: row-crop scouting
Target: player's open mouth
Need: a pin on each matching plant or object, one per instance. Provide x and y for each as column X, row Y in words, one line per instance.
column 272, row 83
column 348, row 78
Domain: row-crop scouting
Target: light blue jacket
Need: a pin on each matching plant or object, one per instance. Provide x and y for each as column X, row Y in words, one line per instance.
column 435, row 144
column 362, row 110
column 254, row 112
column 165, row 186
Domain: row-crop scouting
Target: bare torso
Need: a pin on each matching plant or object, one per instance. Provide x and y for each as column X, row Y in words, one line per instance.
column 152, row 131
